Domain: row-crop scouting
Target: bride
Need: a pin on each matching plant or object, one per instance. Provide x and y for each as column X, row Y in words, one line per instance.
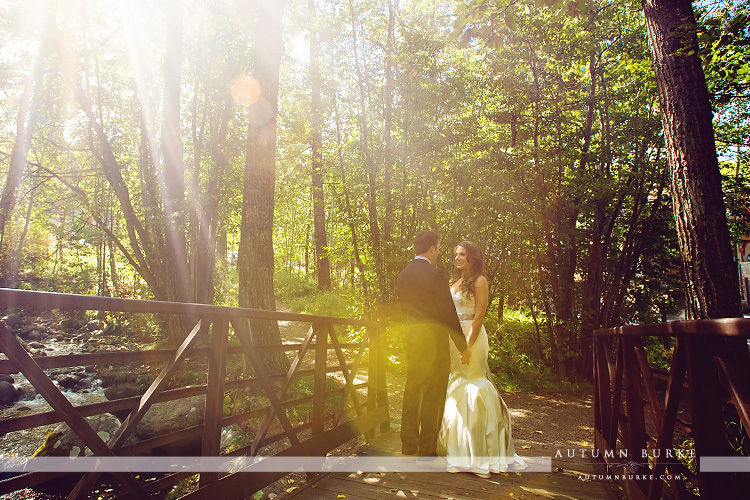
column 476, row 430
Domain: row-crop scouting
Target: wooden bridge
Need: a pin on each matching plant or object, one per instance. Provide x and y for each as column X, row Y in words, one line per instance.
column 335, row 390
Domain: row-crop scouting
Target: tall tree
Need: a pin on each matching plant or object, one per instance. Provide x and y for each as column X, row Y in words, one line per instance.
column 323, row 267
column 710, row 272
column 26, row 121
column 173, row 178
column 370, row 163
column 256, row 261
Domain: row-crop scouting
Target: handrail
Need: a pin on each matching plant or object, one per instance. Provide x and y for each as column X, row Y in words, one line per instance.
column 703, row 370
column 12, row 297
column 213, row 324
column 725, row 327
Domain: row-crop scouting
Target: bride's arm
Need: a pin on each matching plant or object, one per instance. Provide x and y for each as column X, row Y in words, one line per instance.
column 481, row 293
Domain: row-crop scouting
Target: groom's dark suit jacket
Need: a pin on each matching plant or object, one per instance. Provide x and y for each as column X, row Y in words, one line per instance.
column 426, row 298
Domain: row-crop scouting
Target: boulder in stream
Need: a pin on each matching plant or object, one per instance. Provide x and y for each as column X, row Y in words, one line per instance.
column 12, row 320
column 94, row 325
column 9, row 393
column 71, row 324
column 170, row 416
column 63, row 442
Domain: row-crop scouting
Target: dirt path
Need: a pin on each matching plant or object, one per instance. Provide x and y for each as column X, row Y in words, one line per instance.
column 559, row 421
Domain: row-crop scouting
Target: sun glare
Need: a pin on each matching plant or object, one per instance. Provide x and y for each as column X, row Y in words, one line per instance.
column 245, row 90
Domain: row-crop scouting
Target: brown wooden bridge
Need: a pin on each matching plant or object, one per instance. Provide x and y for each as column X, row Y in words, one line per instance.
column 343, row 361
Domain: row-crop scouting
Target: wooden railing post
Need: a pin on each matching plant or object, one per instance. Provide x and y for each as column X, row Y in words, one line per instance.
column 319, row 379
column 707, row 398
column 602, row 394
column 214, row 396
column 380, row 388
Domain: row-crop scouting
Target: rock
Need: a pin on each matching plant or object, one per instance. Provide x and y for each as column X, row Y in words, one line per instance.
column 4, row 377
column 9, row 394
column 120, row 375
column 72, row 383
column 120, row 391
column 27, row 393
column 112, row 329
column 12, row 320
column 94, row 325
column 34, row 335
column 71, row 323
column 36, row 345
column 63, row 442
column 170, row 416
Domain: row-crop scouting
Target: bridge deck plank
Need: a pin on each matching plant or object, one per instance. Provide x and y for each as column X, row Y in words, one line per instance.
column 562, row 483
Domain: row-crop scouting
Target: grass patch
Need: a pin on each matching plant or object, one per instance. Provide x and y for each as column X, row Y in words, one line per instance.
column 302, row 296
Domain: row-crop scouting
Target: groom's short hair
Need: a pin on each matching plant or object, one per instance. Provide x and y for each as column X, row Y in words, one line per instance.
column 424, row 240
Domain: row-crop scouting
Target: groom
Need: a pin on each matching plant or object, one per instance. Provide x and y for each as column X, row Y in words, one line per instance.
column 430, row 320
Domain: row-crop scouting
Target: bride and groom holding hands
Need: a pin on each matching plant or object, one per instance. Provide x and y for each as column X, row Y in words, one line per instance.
column 451, row 404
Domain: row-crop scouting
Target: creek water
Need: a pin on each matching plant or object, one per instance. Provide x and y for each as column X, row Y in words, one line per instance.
column 25, row 442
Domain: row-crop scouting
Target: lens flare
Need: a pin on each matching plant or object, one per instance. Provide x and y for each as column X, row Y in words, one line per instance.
column 245, row 90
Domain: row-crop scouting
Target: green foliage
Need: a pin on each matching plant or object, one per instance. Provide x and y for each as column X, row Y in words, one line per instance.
column 514, row 358
column 659, row 351
column 737, row 201
column 302, row 296
column 184, row 487
column 531, row 127
column 724, row 37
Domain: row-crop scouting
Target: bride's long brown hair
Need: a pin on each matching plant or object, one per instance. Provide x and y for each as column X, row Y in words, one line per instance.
column 475, row 258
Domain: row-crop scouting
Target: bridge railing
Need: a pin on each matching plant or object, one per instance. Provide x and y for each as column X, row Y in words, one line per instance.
column 338, row 413
column 639, row 408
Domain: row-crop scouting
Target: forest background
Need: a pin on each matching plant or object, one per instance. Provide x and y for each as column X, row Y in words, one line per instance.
column 239, row 153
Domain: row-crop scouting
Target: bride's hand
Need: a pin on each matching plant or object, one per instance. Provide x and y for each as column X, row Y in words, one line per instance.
column 466, row 356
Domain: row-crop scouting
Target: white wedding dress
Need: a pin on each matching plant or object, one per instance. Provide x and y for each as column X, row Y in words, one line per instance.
column 476, row 432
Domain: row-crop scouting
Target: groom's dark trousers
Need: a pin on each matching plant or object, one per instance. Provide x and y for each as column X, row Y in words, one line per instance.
column 431, row 320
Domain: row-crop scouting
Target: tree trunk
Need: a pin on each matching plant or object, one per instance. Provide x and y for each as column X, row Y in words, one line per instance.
column 389, row 157
column 173, row 179
column 370, row 165
column 711, row 274
column 323, row 266
column 17, row 258
column 256, row 262
column 347, row 198
column 25, row 125
column 709, row 270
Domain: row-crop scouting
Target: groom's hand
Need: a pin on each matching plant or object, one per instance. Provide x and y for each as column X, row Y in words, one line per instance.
column 466, row 356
